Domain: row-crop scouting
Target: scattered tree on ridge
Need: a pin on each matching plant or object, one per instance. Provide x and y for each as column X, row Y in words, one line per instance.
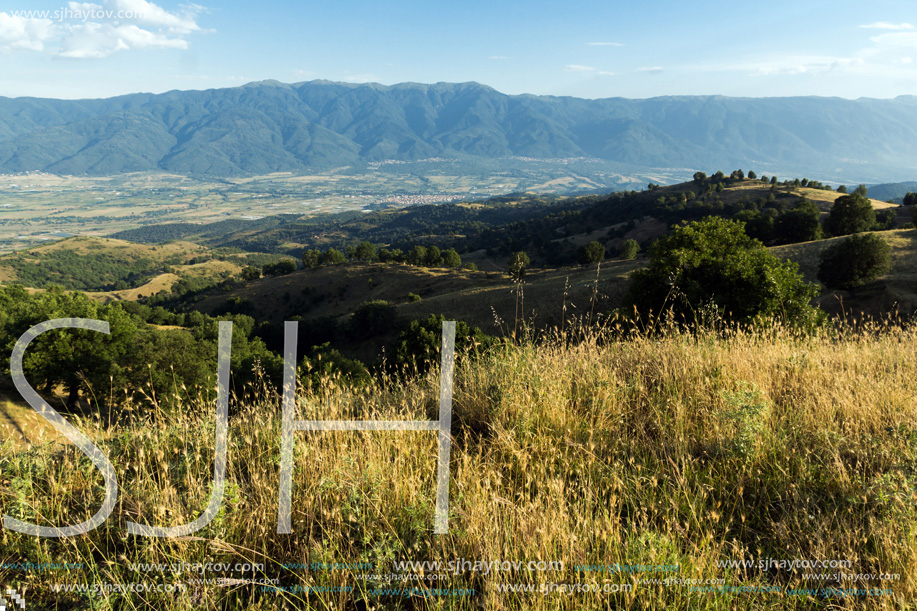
column 854, row 261
column 850, row 214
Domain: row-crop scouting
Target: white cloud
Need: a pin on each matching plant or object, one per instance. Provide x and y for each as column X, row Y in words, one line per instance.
column 885, row 25
column 24, row 33
column 578, row 68
column 654, row 69
column 303, row 73
column 605, row 44
column 498, row 57
column 97, row 40
column 604, row 73
column 88, row 30
column 152, row 15
column 897, row 40
column 811, row 65
column 904, row 60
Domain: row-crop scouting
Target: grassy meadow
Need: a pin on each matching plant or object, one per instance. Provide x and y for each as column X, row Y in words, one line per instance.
column 634, row 454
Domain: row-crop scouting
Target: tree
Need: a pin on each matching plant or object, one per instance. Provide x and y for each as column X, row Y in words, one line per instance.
column 854, row 261
column 451, row 258
column 850, row 214
column 333, row 256
column 324, row 363
column 434, row 257
column 250, row 272
column 518, row 263
column 312, row 258
column 372, row 318
column 910, row 199
column 712, row 265
column 593, row 252
column 752, row 175
column 699, row 177
column 417, row 256
column 365, row 251
column 280, row 268
column 799, row 224
column 391, row 256
column 629, row 249
column 774, row 180
column 419, row 346
column 861, row 190
column 842, row 188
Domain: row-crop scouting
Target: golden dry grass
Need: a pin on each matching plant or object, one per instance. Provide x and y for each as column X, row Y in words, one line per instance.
column 666, row 449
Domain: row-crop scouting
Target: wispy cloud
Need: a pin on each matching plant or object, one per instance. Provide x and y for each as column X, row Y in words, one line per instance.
column 604, row 73
column 885, row 25
column 895, row 40
column 86, row 30
column 578, row 68
column 653, row 69
column 605, row 44
column 498, row 57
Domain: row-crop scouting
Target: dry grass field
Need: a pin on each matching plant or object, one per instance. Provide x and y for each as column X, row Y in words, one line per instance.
column 634, row 454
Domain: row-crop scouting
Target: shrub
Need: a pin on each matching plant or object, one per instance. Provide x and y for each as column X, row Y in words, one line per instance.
column 281, row 268
column 713, row 264
column 593, row 252
column 372, row 318
column 629, row 249
column 854, row 261
column 419, row 346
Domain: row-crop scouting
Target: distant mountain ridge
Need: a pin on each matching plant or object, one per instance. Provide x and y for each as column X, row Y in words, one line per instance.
column 270, row 126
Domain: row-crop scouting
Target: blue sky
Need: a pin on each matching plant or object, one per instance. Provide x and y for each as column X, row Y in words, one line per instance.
column 588, row 49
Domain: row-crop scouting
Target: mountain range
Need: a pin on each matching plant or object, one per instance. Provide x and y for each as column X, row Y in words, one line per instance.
column 270, row 126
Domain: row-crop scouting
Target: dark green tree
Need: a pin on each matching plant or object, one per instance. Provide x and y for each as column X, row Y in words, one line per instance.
column 372, row 318
column 451, row 258
column 861, row 190
column 419, row 347
column 311, row 258
column 280, row 268
column 713, row 266
column 854, row 261
column 417, row 256
column 391, row 256
column 333, row 256
column 699, row 177
column 250, row 272
column 629, row 249
column 850, row 214
column 325, row 364
column 800, row 224
column 910, row 199
column 434, row 257
column 365, row 251
column 593, row 252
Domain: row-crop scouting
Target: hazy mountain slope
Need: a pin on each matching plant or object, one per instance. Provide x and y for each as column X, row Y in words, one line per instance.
column 271, row 126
